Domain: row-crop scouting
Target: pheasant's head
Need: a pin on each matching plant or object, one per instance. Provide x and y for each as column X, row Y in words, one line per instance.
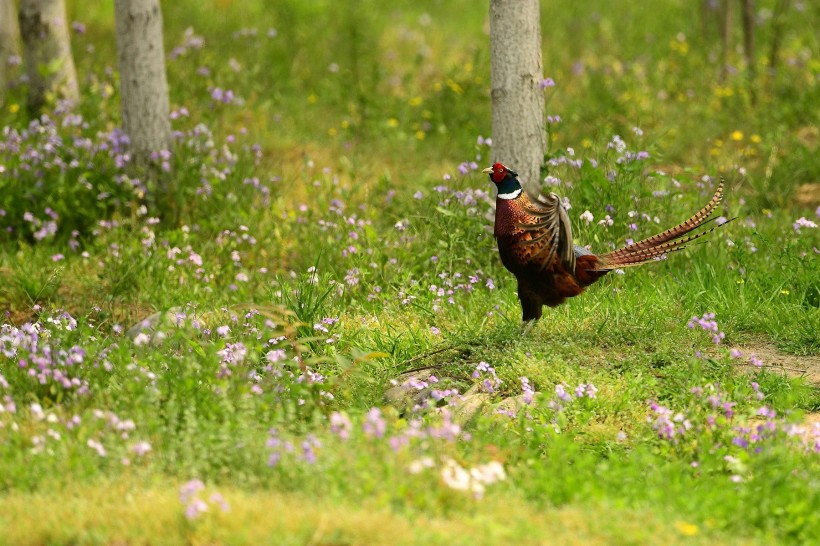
column 499, row 173
column 505, row 180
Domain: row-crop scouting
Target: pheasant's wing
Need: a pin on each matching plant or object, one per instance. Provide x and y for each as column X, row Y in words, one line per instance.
column 547, row 233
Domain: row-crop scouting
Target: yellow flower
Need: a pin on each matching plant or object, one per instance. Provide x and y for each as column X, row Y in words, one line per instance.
column 455, row 87
column 332, row 131
column 681, row 47
column 312, row 98
column 755, row 138
column 14, row 108
column 737, row 136
column 586, row 143
column 420, row 135
column 686, row 529
column 345, row 124
column 415, row 101
column 784, row 292
column 392, row 122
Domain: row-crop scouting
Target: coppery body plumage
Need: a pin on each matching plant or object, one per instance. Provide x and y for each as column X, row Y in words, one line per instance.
column 535, row 244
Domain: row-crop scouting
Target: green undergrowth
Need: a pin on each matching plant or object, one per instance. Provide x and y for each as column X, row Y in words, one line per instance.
column 327, row 230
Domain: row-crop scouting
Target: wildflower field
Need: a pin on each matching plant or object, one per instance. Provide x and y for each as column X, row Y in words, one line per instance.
column 333, row 352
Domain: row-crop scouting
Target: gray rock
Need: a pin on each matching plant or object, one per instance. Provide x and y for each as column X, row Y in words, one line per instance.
column 512, row 404
column 408, row 390
column 469, row 406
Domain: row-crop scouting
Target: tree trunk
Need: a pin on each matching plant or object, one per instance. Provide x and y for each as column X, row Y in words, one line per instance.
column 143, row 83
column 519, row 130
column 9, row 43
column 747, row 16
column 49, row 64
column 778, row 24
column 724, row 29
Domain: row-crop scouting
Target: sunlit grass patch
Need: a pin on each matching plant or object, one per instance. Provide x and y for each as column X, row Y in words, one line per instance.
column 130, row 511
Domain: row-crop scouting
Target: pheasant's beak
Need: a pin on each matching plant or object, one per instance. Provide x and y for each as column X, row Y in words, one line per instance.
column 488, row 170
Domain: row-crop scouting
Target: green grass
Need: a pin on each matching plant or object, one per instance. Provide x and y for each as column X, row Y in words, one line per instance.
column 353, row 110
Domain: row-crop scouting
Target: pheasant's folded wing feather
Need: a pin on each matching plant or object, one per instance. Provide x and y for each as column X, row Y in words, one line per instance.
column 547, row 232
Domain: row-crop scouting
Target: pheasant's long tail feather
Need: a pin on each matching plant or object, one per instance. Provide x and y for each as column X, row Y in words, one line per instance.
column 676, row 232
column 672, row 240
column 652, row 254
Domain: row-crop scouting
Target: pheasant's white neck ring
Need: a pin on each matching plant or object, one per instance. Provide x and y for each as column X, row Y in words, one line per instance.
column 511, row 195
column 509, row 188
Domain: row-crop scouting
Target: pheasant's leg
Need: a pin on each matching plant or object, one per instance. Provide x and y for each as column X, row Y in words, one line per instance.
column 530, row 304
column 527, row 326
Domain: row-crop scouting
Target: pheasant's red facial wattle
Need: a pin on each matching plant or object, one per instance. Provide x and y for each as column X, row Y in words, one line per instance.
column 499, row 173
column 502, row 176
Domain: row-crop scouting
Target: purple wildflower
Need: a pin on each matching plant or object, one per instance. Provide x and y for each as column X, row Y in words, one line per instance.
column 374, row 424
column 340, row 425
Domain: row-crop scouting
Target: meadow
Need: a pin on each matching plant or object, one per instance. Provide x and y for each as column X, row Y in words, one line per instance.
column 334, row 353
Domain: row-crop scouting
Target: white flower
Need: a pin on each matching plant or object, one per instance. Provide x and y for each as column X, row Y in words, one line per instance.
column 489, row 473
column 474, row 480
column 420, row 464
column 37, row 411
column 456, row 477
column 587, row 217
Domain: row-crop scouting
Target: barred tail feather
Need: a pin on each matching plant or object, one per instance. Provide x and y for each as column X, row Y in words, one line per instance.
column 673, row 233
column 653, row 254
column 671, row 240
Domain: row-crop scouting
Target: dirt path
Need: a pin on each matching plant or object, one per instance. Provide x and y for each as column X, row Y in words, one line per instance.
column 796, row 366
column 807, row 367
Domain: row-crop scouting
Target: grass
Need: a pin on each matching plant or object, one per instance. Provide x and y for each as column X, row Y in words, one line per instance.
column 127, row 512
column 326, row 233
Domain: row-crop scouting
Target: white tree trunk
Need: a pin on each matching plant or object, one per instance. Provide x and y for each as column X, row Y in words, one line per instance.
column 9, row 42
column 519, row 130
column 143, row 83
column 49, row 64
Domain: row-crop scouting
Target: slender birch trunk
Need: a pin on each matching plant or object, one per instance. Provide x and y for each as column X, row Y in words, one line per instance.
column 519, row 130
column 747, row 17
column 9, row 42
column 143, row 82
column 47, row 49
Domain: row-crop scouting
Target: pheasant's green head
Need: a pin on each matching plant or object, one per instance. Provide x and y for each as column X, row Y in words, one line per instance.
column 505, row 180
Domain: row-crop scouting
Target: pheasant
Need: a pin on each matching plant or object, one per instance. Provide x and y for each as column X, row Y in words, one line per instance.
column 535, row 244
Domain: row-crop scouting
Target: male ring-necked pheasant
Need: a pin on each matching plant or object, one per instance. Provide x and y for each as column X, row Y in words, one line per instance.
column 535, row 243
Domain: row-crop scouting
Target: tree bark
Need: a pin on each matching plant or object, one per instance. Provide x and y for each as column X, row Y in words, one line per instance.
column 778, row 24
column 9, row 43
column 47, row 48
column 143, row 82
column 724, row 29
column 747, row 16
column 519, row 130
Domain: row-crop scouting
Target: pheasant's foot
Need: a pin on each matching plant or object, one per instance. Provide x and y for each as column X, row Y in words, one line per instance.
column 527, row 327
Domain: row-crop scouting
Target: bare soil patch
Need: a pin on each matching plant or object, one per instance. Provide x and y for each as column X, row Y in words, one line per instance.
column 807, row 367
